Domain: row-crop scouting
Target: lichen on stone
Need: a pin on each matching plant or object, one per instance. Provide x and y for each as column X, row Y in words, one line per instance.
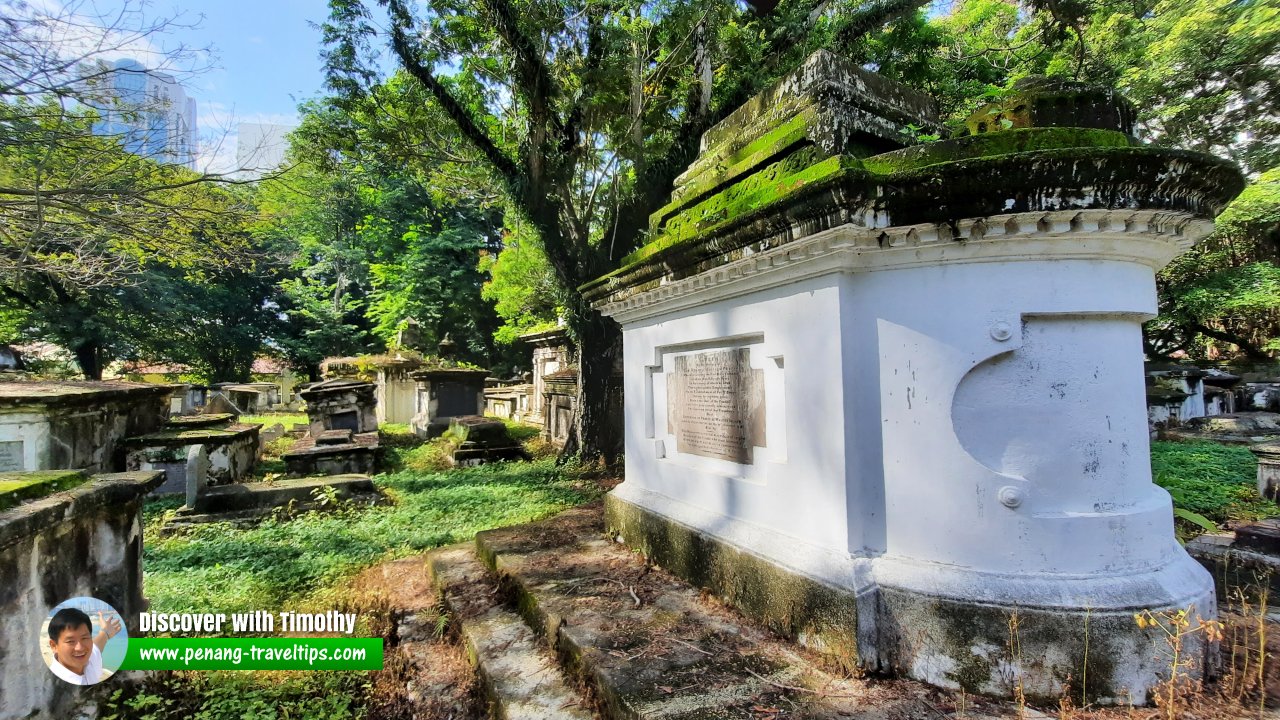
column 18, row 487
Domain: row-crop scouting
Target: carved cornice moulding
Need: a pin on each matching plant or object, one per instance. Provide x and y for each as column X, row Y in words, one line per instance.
column 1148, row 237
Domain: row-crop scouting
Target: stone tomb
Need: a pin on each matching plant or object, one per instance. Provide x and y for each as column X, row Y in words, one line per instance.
column 231, row 449
column 392, row 374
column 445, row 393
column 885, row 400
column 510, row 402
column 559, row 404
column 341, row 405
column 251, row 398
column 333, row 452
column 85, row 539
column 75, row 425
column 397, row 392
column 481, row 440
column 553, row 351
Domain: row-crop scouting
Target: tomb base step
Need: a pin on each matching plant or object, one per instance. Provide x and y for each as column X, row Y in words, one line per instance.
column 649, row 645
column 947, row 626
column 271, row 495
column 519, row 674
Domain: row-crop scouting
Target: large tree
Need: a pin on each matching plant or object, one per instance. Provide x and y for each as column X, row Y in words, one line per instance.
column 584, row 112
column 373, row 244
column 82, row 221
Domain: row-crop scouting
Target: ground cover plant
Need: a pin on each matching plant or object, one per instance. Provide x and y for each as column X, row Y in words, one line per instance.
column 1211, row 484
column 217, row 568
column 266, row 420
column 310, row 562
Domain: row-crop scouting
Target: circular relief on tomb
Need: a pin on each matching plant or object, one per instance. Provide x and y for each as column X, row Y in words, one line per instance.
column 83, row 641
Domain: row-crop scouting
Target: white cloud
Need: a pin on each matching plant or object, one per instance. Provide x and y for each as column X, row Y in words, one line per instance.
column 80, row 30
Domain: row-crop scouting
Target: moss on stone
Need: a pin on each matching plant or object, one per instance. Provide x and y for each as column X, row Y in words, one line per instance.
column 923, row 186
column 714, row 173
column 774, row 183
column 203, row 433
column 993, row 145
column 19, row 487
column 822, row 617
column 190, row 421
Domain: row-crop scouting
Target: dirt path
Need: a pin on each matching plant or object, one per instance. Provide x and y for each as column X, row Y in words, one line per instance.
column 426, row 675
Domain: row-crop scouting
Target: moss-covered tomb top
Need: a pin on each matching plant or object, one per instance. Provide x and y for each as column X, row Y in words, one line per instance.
column 17, row 487
column 824, row 165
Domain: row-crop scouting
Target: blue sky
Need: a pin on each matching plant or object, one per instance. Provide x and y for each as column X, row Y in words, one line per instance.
column 265, row 52
column 264, row 60
column 248, row 60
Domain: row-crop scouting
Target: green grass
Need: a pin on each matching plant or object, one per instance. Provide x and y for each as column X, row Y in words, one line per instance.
column 306, row 563
column 521, row 431
column 269, row 419
column 1210, row 479
column 239, row 695
column 218, row 568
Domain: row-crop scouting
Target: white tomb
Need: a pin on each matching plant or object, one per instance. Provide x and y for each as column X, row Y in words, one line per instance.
column 902, row 401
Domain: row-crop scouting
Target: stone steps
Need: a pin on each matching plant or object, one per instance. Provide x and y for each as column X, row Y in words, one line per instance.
column 518, row 672
column 648, row 645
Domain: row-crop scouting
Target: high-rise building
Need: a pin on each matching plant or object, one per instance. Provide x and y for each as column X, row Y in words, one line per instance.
column 261, row 148
column 149, row 111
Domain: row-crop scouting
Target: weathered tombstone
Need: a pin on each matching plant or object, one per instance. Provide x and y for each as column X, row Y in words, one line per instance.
column 887, row 401
column 559, row 404
column 219, row 404
column 83, row 537
column 552, row 352
column 75, row 425
column 197, row 474
column 341, row 405
column 445, row 393
column 1268, row 455
column 482, row 440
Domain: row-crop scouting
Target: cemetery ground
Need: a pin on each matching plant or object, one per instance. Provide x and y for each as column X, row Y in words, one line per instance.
column 369, row 559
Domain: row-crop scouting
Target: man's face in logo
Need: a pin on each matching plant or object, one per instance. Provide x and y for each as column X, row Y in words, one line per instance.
column 73, row 648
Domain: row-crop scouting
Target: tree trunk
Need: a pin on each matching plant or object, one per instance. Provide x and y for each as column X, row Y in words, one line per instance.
column 89, row 358
column 598, row 432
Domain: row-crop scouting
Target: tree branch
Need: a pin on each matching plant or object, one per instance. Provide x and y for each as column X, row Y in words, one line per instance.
column 413, row 62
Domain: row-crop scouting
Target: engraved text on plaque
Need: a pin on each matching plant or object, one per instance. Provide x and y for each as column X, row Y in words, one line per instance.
column 11, row 458
column 715, row 404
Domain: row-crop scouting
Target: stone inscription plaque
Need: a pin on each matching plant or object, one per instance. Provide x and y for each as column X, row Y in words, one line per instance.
column 11, row 459
column 715, row 405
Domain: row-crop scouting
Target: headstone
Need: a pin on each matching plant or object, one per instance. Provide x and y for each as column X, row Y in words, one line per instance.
column 272, row 433
column 197, row 474
column 1263, row 536
column 334, row 437
column 1268, row 455
column 341, row 404
column 219, row 404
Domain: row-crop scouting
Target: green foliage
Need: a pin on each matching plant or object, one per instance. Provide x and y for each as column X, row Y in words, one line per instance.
column 288, row 420
column 522, row 287
column 172, row 306
column 241, row 696
column 521, row 431
column 372, row 244
column 1196, row 519
column 218, row 568
column 1214, row 481
column 1224, row 295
